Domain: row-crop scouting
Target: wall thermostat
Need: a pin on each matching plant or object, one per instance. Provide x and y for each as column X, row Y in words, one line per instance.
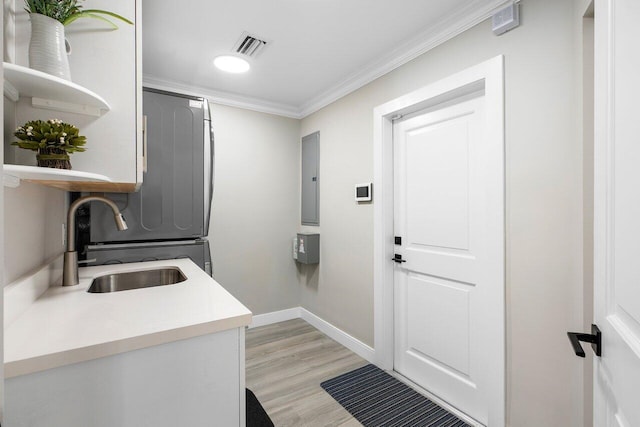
column 363, row 192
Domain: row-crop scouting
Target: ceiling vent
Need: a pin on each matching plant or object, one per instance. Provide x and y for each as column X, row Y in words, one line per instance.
column 249, row 45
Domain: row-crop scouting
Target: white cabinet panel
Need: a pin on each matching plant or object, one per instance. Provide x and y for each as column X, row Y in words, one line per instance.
column 196, row 382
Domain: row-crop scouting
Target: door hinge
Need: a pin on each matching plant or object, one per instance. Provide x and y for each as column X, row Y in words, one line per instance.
column 595, row 338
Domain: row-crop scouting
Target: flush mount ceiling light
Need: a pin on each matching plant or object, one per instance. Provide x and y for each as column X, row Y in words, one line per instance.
column 231, row 64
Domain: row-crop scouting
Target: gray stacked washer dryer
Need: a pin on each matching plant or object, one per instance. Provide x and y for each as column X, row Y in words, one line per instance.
column 169, row 216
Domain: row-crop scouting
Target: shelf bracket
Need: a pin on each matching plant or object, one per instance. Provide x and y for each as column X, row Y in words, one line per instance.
column 10, row 91
column 68, row 107
column 10, row 181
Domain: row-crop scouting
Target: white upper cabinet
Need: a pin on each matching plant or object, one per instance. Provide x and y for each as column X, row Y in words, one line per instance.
column 104, row 101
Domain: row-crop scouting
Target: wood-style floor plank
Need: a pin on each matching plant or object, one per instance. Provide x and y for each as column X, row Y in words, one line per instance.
column 285, row 364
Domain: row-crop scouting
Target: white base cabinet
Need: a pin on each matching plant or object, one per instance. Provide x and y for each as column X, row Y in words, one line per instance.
column 193, row 382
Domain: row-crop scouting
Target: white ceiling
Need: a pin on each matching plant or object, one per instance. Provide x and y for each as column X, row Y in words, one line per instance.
column 318, row 50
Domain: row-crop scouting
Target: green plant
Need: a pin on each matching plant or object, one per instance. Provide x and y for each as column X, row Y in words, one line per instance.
column 39, row 135
column 67, row 11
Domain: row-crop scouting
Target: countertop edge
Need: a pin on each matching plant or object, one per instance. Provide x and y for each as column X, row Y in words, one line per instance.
column 112, row 348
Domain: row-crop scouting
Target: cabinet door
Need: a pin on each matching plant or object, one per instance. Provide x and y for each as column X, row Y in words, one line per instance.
column 108, row 63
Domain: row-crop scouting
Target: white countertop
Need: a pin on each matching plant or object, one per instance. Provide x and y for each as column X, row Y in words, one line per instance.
column 68, row 325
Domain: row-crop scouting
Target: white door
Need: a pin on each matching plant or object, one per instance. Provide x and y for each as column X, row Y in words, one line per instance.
column 617, row 213
column 448, row 289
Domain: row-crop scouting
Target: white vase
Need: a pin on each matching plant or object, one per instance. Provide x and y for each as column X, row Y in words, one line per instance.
column 47, row 50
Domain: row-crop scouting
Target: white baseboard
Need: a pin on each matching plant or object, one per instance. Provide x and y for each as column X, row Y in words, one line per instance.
column 353, row 344
column 275, row 317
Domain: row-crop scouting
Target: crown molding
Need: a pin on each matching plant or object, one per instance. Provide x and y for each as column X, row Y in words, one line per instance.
column 223, row 98
column 467, row 17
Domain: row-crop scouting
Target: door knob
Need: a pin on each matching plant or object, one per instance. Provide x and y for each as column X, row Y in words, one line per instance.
column 595, row 338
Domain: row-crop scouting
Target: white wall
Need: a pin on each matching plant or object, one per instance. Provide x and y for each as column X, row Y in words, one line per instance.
column 340, row 288
column 255, row 207
column 544, row 203
column 33, row 218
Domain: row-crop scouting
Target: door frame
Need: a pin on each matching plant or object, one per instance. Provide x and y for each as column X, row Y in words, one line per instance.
column 488, row 75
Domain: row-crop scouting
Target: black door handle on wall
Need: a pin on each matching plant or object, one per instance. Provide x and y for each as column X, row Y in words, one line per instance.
column 398, row 258
column 595, row 338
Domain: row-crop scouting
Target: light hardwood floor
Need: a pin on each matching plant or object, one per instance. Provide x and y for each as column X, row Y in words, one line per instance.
column 285, row 364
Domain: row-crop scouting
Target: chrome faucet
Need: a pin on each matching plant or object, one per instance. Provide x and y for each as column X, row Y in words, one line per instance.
column 70, row 267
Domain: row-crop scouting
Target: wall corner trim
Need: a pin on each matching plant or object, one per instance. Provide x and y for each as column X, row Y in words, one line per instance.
column 223, row 98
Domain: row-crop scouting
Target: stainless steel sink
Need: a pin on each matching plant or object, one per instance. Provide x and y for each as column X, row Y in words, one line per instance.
column 136, row 279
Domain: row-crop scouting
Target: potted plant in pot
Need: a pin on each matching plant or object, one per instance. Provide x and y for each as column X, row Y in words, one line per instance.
column 48, row 48
column 53, row 139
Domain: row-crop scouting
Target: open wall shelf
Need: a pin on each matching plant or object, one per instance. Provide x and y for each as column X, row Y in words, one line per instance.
column 13, row 174
column 50, row 92
column 63, row 179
